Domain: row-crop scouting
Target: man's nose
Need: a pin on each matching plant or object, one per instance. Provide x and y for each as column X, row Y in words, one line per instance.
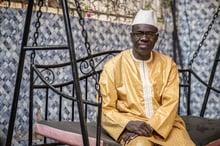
column 144, row 37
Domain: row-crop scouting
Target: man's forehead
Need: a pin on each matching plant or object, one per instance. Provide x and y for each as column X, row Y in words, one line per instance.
column 144, row 27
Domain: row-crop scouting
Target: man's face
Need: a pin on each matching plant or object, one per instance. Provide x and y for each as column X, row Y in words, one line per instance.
column 143, row 37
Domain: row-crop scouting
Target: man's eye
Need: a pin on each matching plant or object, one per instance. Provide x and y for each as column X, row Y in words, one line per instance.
column 150, row 34
column 140, row 33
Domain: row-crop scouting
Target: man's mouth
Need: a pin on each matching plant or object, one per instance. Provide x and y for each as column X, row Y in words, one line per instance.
column 143, row 45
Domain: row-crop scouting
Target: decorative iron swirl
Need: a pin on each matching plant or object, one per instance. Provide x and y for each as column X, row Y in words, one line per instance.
column 48, row 75
column 85, row 67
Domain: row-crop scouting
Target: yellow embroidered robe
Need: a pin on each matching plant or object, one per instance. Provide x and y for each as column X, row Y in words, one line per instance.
column 121, row 86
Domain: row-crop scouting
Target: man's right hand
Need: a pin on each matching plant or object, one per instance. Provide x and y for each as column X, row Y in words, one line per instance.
column 140, row 128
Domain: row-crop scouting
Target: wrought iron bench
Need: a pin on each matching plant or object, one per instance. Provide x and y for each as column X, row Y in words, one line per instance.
column 202, row 130
column 54, row 109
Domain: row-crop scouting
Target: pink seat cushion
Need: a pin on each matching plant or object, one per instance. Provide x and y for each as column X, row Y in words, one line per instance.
column 63, row 132
column 214, row 143
column 67, row 132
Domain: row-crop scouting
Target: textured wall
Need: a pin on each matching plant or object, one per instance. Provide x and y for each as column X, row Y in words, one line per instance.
column 193, row 18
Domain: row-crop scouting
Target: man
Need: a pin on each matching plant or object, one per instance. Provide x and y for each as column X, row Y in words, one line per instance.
column 140, row 90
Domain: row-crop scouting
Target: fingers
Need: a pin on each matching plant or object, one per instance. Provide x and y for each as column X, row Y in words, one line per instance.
column 140, row 127
column 145, row 131
column 129, row 136
column 148, row 129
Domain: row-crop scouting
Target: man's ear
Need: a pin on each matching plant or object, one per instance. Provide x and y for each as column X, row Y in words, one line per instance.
column 131, row 36
column 157, row 36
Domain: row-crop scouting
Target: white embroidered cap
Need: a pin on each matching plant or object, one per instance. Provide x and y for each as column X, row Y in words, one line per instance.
column 145, row 17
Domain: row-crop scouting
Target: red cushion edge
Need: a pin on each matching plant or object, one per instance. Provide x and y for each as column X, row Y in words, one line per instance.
column 73, row 139
column 214, row 143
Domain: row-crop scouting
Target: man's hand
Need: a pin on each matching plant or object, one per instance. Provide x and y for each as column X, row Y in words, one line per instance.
column 140, row 128
column 128, row 136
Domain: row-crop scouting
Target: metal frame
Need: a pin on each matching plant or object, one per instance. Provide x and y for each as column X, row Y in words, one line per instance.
column 24, row 48
column 187, row 84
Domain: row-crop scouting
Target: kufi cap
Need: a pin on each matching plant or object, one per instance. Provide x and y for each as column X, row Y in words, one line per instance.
column 145, row 17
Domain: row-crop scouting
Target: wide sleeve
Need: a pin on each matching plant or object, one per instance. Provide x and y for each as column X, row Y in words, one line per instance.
column 113, row 121
column 164, row 117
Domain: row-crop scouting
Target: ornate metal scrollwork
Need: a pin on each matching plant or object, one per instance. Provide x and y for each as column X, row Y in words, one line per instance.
column 48, row 75
column 85, row 67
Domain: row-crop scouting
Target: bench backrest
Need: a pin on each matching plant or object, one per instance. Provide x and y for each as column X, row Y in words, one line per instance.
column 56, row 99
column 87, row 78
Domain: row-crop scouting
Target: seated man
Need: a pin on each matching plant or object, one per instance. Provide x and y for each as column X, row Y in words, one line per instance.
column 140, row 90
